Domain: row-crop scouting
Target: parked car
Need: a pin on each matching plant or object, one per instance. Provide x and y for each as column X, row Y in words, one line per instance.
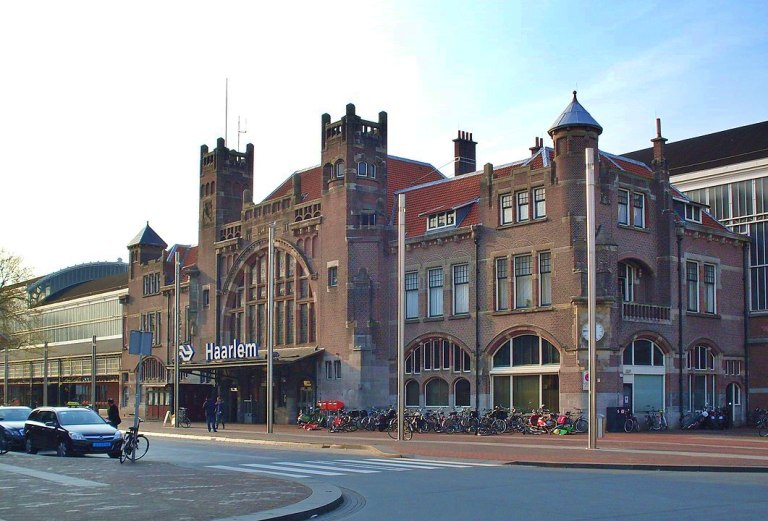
column 12, row 425
column 71, row 430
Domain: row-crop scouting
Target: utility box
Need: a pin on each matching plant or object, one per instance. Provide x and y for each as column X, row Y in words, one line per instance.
column 615, row 418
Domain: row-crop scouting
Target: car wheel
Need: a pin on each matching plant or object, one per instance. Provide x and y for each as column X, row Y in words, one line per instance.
column 29, row 447
column 61, row 449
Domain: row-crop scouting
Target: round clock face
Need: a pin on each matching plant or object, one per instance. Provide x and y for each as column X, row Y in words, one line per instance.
column 599, row 331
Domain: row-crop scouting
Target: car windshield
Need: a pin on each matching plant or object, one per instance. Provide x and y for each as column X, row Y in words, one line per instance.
column 14, row 415
column 79, row 417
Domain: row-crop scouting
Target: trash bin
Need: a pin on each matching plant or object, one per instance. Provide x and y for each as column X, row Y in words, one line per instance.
column 600, row 425
column 615, row 417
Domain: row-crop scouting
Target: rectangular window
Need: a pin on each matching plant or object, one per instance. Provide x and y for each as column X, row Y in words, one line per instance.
column 521, row 199
column 502, row 285
column 427, row 357
column 627, row 282
column 435, row 277
column 461, row 289
column 523, row 287
column 333, row 276
column 362, row 169
column 539, row 203
column 545, row 278
column 709, row 289
column 693, row 213
column 337, row 369
column 367, row 219
column 446, row 355
column 624, row 207
column 411, row 295
column 692, row 278
column 372, row 171
column 441, row 220
column 506, row 208
column 638, row 210
column 328, row 370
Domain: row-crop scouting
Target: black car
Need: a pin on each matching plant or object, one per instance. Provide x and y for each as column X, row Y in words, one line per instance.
column 71, row 430
column 12, row 425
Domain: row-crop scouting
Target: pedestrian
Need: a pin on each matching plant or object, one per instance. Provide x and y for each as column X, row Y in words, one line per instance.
column 113, row 414
column 220, row 412
column 209, row 407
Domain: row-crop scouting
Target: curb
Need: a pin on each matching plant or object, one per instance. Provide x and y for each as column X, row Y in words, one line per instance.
column 246, row 441
column 640, row 466
column 324, row 498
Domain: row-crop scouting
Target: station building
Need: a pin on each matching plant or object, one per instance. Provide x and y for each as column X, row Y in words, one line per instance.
column 495, row 282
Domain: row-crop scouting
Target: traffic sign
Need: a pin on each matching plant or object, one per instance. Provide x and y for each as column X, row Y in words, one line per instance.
column 186, row 352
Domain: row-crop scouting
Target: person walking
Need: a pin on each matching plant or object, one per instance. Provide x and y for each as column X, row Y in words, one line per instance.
column 209, row 407
column 113, row 414
column 220, row 412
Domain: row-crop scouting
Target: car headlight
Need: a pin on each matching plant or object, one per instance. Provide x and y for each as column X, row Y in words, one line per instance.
column 118, row 436
column 76, row 436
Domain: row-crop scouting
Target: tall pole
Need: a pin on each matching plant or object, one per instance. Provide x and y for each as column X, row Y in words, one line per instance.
column 5, row 370
column 591, row 297
column 270, row 323
column 93, row 373
column 400, row 314
column 226, row 109
column 176, row 341
column 45, row 374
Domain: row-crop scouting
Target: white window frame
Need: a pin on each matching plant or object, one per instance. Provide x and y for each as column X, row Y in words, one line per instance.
column 338, row 169
column 545, row 278
column 506, row 208
column 710, row 289
column 411, row 295
column 501, row 276
column 435, row 292
column 439, row 220
column 692, row 286
column 362, row 169
column 460, row 289
column 693, row 213
column 539, row 203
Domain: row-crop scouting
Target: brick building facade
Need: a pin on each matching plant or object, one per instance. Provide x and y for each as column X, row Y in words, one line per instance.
column 495, row 281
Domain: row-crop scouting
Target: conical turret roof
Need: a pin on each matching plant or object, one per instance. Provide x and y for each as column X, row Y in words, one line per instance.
column 575, row 115
column 147, row 237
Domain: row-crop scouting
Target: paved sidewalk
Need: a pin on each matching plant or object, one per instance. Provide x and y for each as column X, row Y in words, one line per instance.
column 737, row 450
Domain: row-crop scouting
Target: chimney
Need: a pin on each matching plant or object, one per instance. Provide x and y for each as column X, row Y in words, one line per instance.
column 464, row 154
column 535, row 148
column 658, row 144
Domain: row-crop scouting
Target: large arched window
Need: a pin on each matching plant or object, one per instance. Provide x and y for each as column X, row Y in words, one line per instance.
column 412, row 394
column 461, row 393
column 643, row 370
column 436, row 393
column 525, row 374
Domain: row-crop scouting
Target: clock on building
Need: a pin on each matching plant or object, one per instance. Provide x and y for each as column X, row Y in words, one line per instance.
column 599, row 331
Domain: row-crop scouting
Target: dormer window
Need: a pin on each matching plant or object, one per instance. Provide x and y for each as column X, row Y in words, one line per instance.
column 441, row 220
column 693, row 213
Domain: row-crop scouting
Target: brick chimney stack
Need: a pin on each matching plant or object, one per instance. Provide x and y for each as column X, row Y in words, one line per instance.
column 658, row 145
column 535, row 148
column 464, row 154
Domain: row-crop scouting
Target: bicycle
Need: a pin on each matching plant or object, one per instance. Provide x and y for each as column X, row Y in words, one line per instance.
column 407, row 429
column 580, row 424
column 183, row 418
column 631, row 423
column 762, row 426
column 135, row 445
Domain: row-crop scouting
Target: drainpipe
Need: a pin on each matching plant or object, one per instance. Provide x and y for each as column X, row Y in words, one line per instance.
column 747, row 305
column 476, row 239
column 680, row 232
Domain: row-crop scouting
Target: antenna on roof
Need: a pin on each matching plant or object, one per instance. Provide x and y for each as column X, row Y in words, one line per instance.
column 243, row 131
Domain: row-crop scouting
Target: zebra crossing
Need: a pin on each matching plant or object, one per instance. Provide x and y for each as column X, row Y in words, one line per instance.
column 343, row 467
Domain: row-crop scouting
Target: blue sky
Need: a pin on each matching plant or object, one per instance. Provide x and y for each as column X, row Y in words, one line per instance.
column 104, row 106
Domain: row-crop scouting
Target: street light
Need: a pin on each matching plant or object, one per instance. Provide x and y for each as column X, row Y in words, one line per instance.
column 680, row 233
column 5, row 368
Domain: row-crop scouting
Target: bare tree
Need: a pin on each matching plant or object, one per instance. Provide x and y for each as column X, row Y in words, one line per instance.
column 15, row 317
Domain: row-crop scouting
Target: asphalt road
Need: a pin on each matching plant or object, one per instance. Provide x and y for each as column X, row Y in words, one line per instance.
column 182, row 479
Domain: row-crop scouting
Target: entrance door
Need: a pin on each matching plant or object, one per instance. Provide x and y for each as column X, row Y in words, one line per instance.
column 306, row 395
column 628, row 397
column 733, row 395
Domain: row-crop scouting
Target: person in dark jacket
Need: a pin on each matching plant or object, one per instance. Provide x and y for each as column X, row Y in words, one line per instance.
column 220, row 412
column 209, row 407
column 113, row 414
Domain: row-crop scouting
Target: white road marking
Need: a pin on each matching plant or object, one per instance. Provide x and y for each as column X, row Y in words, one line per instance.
column 254, row 471
column 425, row 463
column 50, row 476
column 306, row 471
column 456, row 462
column 324, row 466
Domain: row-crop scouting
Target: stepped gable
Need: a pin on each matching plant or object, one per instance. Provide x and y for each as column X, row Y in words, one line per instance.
column 454, row 193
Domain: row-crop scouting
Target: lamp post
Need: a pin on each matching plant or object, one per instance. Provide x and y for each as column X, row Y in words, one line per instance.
column 270, row 325
column 680, row 233
column 400, row 315
column 176, row 340
column 5, row 368
column 591, row 296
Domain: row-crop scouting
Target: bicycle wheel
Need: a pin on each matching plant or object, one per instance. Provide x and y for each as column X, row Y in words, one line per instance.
column 407, row 431
column 629, row 425
column 141, row 448
column 762, row 429
column 185, row 423
column 392, row 429
column 581, row 425
column 127, row 450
